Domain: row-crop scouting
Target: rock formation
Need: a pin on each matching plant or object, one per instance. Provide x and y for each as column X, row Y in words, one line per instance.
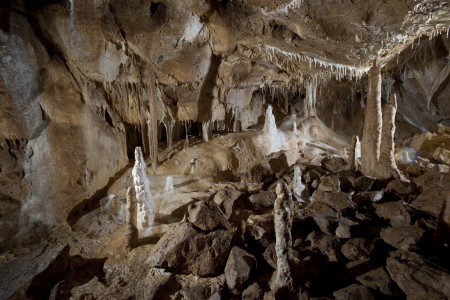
column 145, row 204
column 283, row 209
column 169, row 185
column 297, row 186
column 352, row 162
column 131, row 234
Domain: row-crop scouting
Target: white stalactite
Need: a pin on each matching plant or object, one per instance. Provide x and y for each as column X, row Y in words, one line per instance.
column 145, row 204
column 283, row 240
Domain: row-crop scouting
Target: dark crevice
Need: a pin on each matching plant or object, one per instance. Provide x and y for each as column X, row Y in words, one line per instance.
column 108, row 118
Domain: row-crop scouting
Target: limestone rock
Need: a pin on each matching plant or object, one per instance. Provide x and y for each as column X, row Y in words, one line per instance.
column 339, row 201
column 362, row 183
column 363, row 198
column 263, row 199
column 416, row 278
column 430, row 201
column 394, row 212
column 207, row 216
column 225, row 200
column 330, row 183
column 34, row 273
column 345, row 228
column 253, row 292
column 358, row 248
column 184, row 250
column 271, row 256
column 377, row 280
column 354, row 292
column 334, row 164
column 238, row 267
column 324, row 216
column 402, row 237
column 325, row 244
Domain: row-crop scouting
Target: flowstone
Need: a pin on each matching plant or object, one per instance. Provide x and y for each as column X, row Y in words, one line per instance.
column 145, row 204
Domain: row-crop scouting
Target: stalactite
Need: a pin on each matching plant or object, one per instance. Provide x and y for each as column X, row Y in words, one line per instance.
column 206, row 130
column 310, row 101
column 283, row 207
column 371, row 139
column 145, row 204
column 131, row 234
column 153, row 128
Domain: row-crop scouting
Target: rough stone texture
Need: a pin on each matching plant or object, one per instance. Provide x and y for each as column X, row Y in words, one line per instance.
column 357, row 248
column 225, row 199
column 345, row 228
column 334, row 164
column 131, row 216
column 416, row 278
column 34, row 273
column 371, row 138
column 402, row 237
column 238, row 267
column 377, row 280
column 253, row 292
column 263, row 199
column 185, row 250
column 354, row 292
column 339, row 201
column 330, row 183
column 394, row 212
column 441, row 237
column 352, row 162
column 430, row 201
column 324, row 216
column 207, row 216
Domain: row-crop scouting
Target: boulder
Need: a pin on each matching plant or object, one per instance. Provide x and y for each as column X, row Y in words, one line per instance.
column 324, row 216
column 402, row 237
column 339, row 201
column 362, row 183
column 394, row 212
column 363, row 198
column 185, row 250
column 263, row 199
column 34, row 273
column 354, row 292
column 207, row 216
column 430, row 201
column 334, row 164
column 400, row 188
column 225, row 200
column 356, row 249
column 325, row 244
column 271, row 256
column 253, row 292
column 238, row 267
column 329, row 183
column 378, row 280
column 345, row 228
column 416, row 278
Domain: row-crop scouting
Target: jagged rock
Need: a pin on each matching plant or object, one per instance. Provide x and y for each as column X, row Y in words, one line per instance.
column 441, row 237
column 339, row 201
column 334, row 164
column 354, row 292
column 355, row 249
column 430, row 201
column 362, row 183
column 330, row 183
column 206, row 215
column 400, row 188
column 159, row 284
column 94, row 289
column 325, row 244
column 345, row 228
column 314, row 173
column 416, row 278
column 402, row 237
column 184, row 250
column 363, row 198
column 34, row 273
column 191, row 287
column 271, row 256
column 263, row 199
column 436, row 177
column 377, row 280
column 324, row 216
column 394, row 212
column 255, row 231
column 238, row 267
column 225, row 200
column 253, row 292
column 263, row 221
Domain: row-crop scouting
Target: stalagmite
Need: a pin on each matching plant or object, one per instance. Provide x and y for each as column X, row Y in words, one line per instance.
column 351, row 163
column 153, row 128
column 294, row 127
column 371, row 139
column 387, row 166
column 283, row 222
column 269, row 125
column 298, row 186
column 169, row 185
column 310, row 101
column 131, row 214
column 145, row 204
column 206, row 130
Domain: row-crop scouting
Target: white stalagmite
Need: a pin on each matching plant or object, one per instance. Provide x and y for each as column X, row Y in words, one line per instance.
column 269, row 125
column 298, row 186
column 131, row 233
column 153, row 125
column 145, row 204
column 294, row 127
column 371, row 139
column 169, row 185
column 387, row 167
column 283, row 240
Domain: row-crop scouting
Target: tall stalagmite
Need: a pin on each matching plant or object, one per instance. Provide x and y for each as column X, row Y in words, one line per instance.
column 387, row 167
column 131, row 214
column 283, row 207
column 371, row 139
column 153, row 127
column 351, row 163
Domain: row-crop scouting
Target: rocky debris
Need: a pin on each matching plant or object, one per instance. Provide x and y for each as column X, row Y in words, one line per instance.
column 441, row 237
column 35, row 273
column 225, row 200
column 430, row 201
column 324, row 244
column 378, row 280
column 416, row 278
column 346, row 228
column 263, row 199
column 253, row 292
column 339, row 201
column 400, row 188
column 354, row 292
column 362, row 183
column 334, row 164
column 364, row 198
column 184, row 250
column 325, row 217
column 356, row 249
column 394, row 212
column 206, row 215
column 271, row 256
column 330, row 183
column 402, row 237
column 238, row 267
